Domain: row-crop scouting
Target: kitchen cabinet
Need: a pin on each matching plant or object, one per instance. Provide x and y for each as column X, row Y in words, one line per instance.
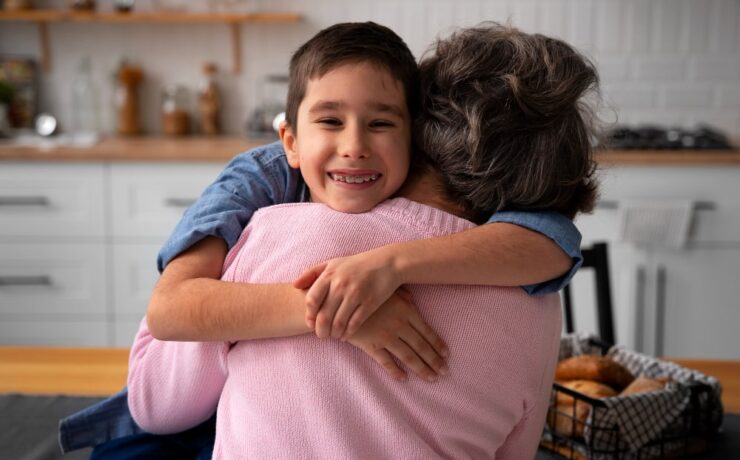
column 78, row 245
column 670, row 301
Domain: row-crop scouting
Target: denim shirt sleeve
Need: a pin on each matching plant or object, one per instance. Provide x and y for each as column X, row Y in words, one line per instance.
column 558, row 228
column 252, row 180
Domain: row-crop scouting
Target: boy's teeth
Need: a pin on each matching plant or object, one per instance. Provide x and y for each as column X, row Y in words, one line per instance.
column 354, row 179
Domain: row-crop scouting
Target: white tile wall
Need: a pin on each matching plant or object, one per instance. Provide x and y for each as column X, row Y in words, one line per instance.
column 663, row 61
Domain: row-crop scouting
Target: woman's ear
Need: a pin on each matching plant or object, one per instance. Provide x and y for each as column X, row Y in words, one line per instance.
column 290, row 144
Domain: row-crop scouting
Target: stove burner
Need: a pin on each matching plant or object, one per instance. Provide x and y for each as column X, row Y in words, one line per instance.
column 657, row 138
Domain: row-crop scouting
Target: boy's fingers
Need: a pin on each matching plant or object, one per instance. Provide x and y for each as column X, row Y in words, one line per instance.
column 425, row 351
column 385, row 359
column 431, row 337
column 412, row 360
column 341, row 318
column 405, row 294
column 325, row 317
column 358, row 318
column 315, row 297
column 308, row 277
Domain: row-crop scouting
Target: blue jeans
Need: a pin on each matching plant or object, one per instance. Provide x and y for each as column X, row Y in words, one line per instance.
column 193, row 444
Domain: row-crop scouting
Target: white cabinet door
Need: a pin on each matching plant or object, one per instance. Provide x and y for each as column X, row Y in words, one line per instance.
column 53, row 281
column 701, row 310
column 148, row 199
column 58, row 333
column 134, row 275
column 49, row 199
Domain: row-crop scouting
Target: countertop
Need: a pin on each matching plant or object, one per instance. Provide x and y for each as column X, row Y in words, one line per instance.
column 222, row 149
column 102, row 371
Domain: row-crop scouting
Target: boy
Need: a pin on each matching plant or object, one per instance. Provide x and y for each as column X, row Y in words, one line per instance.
column 331, row 402
column 483, row 255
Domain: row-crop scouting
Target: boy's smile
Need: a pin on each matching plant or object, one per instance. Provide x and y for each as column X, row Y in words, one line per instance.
column 353, row 138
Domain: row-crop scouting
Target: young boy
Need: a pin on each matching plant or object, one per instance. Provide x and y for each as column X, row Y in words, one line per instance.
column 493, row 254
column 331, row 402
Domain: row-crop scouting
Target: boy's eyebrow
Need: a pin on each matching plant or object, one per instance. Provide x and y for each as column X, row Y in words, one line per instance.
column 326, row 105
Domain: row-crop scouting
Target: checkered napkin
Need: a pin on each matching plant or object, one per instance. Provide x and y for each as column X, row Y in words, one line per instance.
column 640, row 417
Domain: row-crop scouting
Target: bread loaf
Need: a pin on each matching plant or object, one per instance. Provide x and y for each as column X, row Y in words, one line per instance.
column 596, row 368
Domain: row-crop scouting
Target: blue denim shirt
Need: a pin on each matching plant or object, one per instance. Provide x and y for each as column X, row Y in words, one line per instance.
column 252, row 180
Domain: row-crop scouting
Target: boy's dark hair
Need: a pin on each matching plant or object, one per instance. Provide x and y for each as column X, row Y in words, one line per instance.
column 351, row 42
column 502, row 117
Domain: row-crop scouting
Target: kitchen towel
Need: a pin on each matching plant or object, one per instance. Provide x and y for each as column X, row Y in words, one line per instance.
column 655, row 222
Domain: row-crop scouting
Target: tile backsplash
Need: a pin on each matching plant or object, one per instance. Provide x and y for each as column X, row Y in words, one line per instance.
column 673, row 62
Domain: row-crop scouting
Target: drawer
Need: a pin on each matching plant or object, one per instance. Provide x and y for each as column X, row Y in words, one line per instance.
column 55, row 333
column 716, row 220
column 52, row 281
column 134, row 275
column 149, row 199
column 39, row 199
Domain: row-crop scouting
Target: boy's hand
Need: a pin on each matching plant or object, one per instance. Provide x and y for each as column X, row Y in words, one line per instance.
column 344, row 292
column 396, row 329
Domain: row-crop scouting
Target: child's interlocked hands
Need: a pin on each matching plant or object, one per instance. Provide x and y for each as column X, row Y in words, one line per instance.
column 396, row 329
column 344, row 292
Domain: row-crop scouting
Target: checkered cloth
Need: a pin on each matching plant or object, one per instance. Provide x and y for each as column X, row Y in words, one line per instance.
column 641, row 418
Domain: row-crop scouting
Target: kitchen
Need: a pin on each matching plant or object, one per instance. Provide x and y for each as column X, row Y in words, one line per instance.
column 669, row 216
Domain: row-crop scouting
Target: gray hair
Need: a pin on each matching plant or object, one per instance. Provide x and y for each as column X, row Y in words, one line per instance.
column 502, row 118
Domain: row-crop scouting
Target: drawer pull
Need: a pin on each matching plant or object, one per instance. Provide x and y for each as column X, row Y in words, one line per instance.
column 698, row 205
column 25, row 280
column 24, row 201
column 179, row 202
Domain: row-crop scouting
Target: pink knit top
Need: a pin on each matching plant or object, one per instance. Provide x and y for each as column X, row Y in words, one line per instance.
column 303, row 397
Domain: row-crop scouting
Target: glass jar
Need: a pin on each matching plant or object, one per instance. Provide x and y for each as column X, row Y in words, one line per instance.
column 175, row 116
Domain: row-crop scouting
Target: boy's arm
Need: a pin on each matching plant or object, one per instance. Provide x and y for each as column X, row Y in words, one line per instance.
column 190, row 303
column 534, row 248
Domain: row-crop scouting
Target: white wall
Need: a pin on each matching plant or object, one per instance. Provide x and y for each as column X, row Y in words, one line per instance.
column 663, row 61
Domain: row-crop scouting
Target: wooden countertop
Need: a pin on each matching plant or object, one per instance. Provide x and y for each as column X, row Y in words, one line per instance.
column 222, row 149
column 102, row 371
column 122, row 149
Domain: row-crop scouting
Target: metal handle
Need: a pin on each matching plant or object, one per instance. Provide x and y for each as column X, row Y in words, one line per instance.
column 660, row 285
column 179, row 202
column 699, row 205
column 42, row 280
column 24, row 201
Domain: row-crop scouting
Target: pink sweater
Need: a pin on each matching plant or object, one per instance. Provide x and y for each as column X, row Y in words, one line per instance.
column 303, row 397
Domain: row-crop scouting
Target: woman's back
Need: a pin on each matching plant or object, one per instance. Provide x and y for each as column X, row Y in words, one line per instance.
column 303, row 397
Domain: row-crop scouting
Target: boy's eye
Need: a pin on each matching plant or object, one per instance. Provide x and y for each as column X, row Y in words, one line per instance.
column 329, row 121
column 382, row 124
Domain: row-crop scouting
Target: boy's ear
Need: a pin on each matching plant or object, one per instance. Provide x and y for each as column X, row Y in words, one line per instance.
column 290, row 144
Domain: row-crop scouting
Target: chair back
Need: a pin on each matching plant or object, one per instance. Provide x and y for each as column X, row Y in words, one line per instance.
column 596, row 257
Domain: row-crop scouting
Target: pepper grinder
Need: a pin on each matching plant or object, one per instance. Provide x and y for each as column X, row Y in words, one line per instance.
column 127, row 99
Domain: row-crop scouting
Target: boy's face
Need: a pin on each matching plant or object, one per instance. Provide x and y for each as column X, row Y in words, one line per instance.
column 353, row 139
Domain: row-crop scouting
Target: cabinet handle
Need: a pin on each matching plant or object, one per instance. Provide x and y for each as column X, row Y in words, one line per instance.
column 24, row 201
column 179, row 202
column 42, row 280
column 699, row 205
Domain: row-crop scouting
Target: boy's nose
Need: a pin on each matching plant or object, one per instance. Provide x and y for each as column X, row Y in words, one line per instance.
column 354, row 145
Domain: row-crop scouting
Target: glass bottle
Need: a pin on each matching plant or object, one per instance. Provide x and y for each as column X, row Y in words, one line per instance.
column 85, row 111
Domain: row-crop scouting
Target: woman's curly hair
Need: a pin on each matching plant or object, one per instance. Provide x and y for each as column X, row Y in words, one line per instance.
column 503, row 118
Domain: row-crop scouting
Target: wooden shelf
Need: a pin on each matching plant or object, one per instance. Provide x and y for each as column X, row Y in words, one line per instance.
column 150, row 16
column 234, row 20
